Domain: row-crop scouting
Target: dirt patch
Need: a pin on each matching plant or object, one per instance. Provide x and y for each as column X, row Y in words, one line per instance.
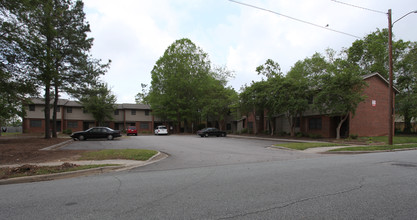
column 23, row 150
column 30, row 170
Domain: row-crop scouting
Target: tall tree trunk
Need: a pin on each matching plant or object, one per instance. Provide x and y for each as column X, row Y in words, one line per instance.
column 272, row 125
column 290, row 119
column 340, row 125
column 407, row 123
column 47, row 111
column 185, row 126
column 54, row 128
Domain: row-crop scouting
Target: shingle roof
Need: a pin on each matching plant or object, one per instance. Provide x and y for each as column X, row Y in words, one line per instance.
column 69, row 103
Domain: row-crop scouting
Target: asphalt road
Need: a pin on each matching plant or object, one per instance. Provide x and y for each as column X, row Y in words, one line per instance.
column 226, row 178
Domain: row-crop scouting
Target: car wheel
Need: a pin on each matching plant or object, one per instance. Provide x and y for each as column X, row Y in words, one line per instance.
column 201, row 135
column 206, row 135
column 81, row 137
column 136, row 134
column 110, row 137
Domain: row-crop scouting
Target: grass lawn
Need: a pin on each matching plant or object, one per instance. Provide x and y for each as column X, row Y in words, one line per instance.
column 396, row 139
column 11, row 134
column 303, row 146
column 126, row 154
column 377, row 147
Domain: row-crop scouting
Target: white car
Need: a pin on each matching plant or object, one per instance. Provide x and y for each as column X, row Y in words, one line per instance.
column 161, row 129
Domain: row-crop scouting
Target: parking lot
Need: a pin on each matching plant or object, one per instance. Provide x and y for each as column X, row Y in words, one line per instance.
column 186, row 151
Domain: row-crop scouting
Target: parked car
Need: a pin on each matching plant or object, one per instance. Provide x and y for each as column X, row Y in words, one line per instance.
column 211, row 132
column 96, row 132
column 131, row 130
column 161, row 129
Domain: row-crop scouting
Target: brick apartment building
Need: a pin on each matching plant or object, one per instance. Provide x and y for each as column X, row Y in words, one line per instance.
column 371, row 117
column 71, row 115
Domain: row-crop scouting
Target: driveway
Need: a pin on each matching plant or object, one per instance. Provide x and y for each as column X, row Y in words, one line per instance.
column 190, row 151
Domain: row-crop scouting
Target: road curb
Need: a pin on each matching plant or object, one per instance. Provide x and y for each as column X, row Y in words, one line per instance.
column 273, row 139
column 366, row 152
column 98, row 170
column 56, row 146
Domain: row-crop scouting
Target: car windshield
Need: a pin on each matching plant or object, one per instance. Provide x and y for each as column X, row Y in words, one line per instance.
column 162, row 127
column 132, row 127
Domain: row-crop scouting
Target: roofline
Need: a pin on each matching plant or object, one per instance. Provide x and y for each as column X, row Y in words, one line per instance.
column 381, row 77
column 68, row 103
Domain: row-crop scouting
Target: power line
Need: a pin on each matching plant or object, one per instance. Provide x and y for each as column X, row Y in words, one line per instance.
column 295, row 19
column 355, row 6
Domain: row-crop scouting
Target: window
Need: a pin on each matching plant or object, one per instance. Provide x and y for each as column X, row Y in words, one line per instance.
column 69, row 109
column 133, row 112
column 250, row 126
column 116, row 112
column 72, row 124
column 144, row 125
column 146, row 112
column 310, row 99
column 85, row 110
column 35, row 123
column 314, row 123
column 58, row 109
column 31, row 108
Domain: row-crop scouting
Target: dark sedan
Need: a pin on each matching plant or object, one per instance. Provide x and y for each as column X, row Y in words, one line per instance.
column 96, row 132
column 211, row 132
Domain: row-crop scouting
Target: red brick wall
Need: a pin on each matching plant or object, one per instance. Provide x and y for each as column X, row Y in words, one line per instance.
column 372, row 120
column 139, row 129
column 328, row 130
column 78, row 128
column 28, row 129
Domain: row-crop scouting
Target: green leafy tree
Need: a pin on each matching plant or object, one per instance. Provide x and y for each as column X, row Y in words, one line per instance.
column 340, row 90
column 272, row 71
column 218, row 101
column 371, row 53
column 406, row 100
column 142, row 97
column 15, row 85
column 100, row 102
column 253, row 99
column 178, row 82
column 293, row 95
column 74, row 67
column 52, row 34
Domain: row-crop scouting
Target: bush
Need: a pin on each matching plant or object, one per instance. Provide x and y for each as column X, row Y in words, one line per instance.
column 299, row 134
column 314, row 136
column 244, row 131
column 67, row 131
column 282, row 133
column 353, row 136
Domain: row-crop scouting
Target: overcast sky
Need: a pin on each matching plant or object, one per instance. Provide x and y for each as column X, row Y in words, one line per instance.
column 135, row 33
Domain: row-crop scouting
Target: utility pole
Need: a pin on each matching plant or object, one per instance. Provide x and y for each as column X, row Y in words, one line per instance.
column 391, row 89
